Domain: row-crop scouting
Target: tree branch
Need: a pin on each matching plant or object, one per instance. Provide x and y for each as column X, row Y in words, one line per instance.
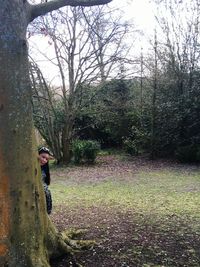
column 42, row 9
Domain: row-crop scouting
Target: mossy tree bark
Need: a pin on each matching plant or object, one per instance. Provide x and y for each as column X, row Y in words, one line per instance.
column 27, row 236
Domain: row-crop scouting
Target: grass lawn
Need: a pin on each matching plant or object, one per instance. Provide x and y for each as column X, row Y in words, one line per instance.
column 141, row 213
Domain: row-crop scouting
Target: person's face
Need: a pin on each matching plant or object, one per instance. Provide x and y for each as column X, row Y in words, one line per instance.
column 43, row 158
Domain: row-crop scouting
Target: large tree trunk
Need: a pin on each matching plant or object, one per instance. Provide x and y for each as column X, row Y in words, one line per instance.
column 27, row 237
column 23, row 219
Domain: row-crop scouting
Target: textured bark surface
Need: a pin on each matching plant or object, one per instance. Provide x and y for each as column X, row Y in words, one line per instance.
column 23, row 220
column 66, row 142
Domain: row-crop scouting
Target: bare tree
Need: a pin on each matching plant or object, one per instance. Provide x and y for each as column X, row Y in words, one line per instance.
column 154, row 97
column 108, row 33
column 46, row 111
column 88, row 47
column 179, row 23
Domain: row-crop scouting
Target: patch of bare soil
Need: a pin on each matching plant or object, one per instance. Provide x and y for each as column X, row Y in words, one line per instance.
column 130, row 239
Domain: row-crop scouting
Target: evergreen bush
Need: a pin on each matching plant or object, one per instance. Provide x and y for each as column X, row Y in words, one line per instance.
column 85, row 151
column 187, row 154
column 130, row 147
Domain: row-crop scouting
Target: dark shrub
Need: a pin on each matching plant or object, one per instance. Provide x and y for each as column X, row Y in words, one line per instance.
column 77, row 149
column 187, row 153
column 85, row 150
column 130, row 147
column 198, row 154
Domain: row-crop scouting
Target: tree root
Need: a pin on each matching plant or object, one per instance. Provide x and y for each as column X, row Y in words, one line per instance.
column 77, row 245
column 63, row 243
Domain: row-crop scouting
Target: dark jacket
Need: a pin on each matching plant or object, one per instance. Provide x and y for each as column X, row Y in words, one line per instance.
column 46, row 174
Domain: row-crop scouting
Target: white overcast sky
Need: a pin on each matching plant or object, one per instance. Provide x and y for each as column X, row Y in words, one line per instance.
column 141, row 11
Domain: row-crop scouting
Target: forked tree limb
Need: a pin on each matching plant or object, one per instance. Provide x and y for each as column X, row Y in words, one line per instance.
column 42, row 9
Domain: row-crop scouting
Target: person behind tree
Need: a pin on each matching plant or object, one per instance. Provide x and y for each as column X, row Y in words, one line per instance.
column 44, row 156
